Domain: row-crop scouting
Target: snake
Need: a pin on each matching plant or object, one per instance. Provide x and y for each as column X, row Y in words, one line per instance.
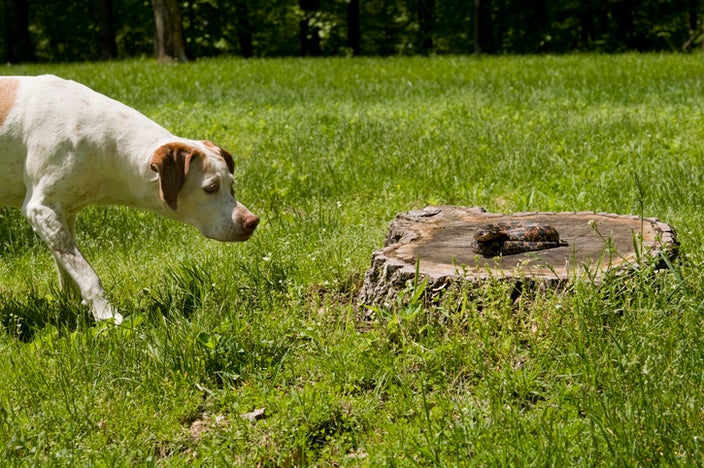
column 515, row 237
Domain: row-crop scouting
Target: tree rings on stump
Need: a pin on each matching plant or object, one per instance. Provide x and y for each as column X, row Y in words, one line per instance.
column 439, row 242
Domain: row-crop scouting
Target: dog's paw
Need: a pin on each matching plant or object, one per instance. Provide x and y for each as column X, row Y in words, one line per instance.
column 103, row 310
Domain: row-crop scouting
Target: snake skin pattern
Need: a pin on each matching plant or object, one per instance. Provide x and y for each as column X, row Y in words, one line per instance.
column 510, row 238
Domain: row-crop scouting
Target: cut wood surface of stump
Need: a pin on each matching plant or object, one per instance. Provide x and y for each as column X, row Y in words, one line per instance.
column 437, row 242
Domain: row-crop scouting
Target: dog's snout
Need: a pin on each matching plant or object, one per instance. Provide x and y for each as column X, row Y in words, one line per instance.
column 250, row 222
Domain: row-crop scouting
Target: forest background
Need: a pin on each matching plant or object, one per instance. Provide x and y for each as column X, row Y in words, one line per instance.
column 87, row 30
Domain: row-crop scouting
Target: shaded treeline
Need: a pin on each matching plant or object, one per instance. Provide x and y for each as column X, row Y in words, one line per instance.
column 75, row 30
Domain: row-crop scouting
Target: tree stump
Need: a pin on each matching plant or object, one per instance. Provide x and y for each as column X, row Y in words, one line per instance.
column 436, row 242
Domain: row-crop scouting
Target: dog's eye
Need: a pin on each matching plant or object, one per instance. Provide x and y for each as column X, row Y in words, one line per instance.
column 212, row 188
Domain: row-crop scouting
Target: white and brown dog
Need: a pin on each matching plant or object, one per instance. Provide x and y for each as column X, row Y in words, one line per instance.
column 64, row 146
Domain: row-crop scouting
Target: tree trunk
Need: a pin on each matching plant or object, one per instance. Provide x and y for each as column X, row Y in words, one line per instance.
column 426, row 10
column 693, row 8
column 538, row 31
column 623, row 27
column 354, row 38
column 169, row 45
column 483, row 37
column 310, row 34
column 693, row 19
column 17, row 42
column 695, row 32
column 244, row 29
column 108, row 46
column 587, row 29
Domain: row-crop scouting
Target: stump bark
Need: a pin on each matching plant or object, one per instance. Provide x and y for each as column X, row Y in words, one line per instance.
column 436, row 242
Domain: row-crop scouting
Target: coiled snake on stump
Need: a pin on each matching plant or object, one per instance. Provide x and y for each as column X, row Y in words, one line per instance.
column 509, row 238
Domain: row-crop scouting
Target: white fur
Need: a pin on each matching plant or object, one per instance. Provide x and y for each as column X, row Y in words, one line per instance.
column 64, row 146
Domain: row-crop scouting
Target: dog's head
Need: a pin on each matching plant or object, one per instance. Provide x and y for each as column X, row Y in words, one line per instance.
column 195, row 182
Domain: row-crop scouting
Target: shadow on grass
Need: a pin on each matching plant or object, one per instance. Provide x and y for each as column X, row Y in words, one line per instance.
column 183, row 291
column 24, row 318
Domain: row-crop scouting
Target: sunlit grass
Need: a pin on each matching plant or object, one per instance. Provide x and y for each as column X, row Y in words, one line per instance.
column 327, row 152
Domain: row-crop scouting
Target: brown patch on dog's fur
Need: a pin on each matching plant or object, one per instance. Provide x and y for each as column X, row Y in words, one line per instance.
column 8, row 94
column 171, row 162
column 225, row 155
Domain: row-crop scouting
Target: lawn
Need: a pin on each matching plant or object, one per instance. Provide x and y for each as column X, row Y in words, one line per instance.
column 327, row 152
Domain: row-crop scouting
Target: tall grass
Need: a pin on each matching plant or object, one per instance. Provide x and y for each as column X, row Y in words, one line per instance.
column 328, row 151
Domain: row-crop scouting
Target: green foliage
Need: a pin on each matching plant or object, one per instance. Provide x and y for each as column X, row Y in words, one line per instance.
column 70, row 30
column 64, row 31
column 327, row 152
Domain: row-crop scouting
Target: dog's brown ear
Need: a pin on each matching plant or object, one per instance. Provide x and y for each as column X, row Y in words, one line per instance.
column 223, row 152
column 171, row 162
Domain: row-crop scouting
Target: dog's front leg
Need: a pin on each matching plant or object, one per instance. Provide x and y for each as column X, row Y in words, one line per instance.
column 68, row 285
column 55, row 230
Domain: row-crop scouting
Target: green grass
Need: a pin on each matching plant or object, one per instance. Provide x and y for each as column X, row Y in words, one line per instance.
column 328, row 151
